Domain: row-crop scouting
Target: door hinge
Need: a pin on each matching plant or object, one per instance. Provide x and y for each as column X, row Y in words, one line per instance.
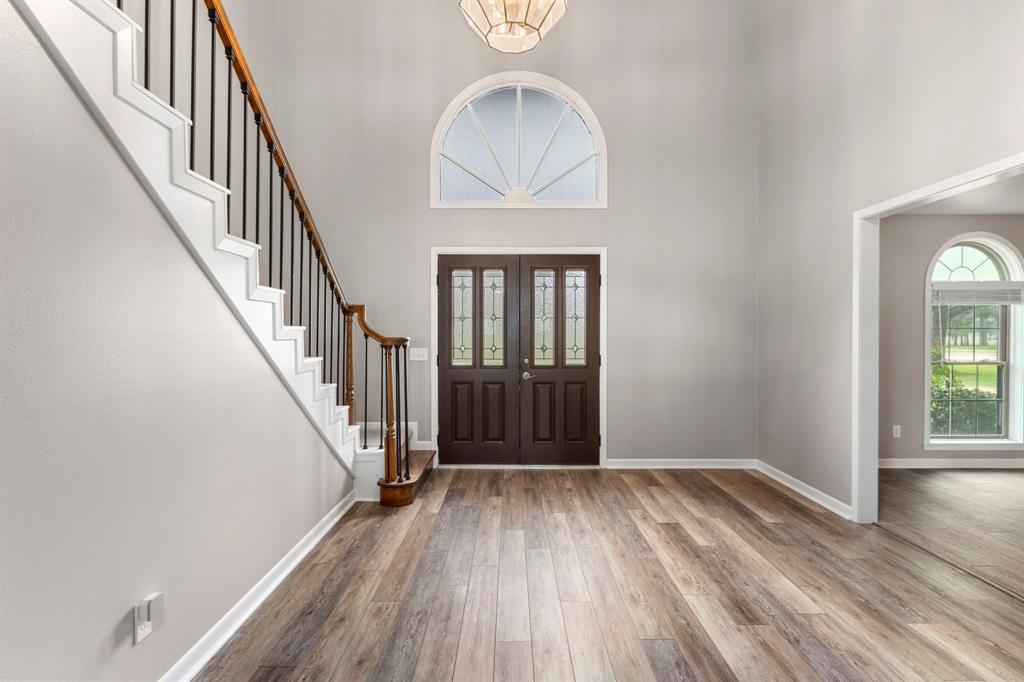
column 600, row 279
column 437, row 360
column 437, row 280
column 600, row 360
column 599, row 440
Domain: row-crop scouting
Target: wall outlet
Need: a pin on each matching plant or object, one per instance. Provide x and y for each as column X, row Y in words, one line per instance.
column 418, row 354
column 897, row 431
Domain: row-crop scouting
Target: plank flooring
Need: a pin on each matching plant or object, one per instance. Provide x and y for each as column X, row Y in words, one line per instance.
column 973, row 518
column 624, row 575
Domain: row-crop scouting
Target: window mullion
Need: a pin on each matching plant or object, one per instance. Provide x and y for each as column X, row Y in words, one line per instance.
column 547, row 147
column 490, row 147
column 519, row 137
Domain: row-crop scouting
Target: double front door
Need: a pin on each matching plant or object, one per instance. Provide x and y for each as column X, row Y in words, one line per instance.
column 518, row 359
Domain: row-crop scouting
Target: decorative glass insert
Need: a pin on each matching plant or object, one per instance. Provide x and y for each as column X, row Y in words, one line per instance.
column 968, row 378
column 967, row 263
column 575, row 317
column 462, row 318
column 544, row 318
column 493, row 292
column 519, row 144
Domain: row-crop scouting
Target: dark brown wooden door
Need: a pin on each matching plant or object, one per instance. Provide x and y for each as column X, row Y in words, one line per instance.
column 477, row 359
column 558, row 337
column 518, row 359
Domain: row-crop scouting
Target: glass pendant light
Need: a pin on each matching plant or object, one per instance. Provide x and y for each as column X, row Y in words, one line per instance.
column 512, row 26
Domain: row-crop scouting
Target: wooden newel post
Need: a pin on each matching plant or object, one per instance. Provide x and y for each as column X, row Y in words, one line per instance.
column 349, row 389
column 390, row 459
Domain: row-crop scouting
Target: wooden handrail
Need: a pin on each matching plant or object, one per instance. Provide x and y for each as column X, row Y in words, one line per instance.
column 241, row 68
column 359, row 310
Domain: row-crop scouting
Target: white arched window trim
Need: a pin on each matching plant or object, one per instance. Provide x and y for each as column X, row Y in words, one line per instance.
column 1013, row 261
column 511, row 79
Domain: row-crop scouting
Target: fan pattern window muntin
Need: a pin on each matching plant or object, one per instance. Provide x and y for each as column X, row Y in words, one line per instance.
column 553, row 159
column 968, row 262
column 968, row 351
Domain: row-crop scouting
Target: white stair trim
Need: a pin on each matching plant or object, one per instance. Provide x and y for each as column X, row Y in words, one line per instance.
column 83, row 37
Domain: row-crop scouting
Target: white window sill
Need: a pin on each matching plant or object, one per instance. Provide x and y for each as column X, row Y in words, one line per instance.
column 980, row 444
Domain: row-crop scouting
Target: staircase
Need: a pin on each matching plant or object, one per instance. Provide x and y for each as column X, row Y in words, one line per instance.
column 206, row 150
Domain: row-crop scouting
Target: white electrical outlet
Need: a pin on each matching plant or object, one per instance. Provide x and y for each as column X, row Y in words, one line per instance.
column 418, row 354
column 897, row 431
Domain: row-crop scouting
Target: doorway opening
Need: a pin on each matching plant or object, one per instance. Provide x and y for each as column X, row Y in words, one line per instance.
column 520, row 358
column 865, row 323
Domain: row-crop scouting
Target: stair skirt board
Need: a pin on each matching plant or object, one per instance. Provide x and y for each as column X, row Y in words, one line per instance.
column 209, row 644
column 83, row 37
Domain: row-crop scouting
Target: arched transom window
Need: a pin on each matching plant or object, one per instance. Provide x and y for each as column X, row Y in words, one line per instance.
column 974, row 387
column 968, row 263
column 518, row 140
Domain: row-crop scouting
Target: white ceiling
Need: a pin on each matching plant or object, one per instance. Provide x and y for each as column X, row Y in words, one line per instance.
column 1005, row 197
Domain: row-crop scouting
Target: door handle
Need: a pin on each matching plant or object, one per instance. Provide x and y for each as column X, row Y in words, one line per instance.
column 527, row 376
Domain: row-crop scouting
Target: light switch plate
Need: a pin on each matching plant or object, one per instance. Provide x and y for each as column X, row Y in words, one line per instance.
column 418, row 354
column 145, row 612
column 897, row 431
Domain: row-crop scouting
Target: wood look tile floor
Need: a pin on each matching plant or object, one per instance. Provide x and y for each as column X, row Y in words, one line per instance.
column 621, row 575
column 972, row 518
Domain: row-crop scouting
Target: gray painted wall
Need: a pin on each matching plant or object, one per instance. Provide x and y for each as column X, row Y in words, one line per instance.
column 674, row 87
column 145, row 443
column 908, row 244
column 860, row 102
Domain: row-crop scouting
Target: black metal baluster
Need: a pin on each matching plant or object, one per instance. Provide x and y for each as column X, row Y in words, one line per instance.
column 245, row 159
column 316, row 313
column 406, row 356
column 213, row 91
column 323, row 325
column 258, row 118
column 309, row 299
column 382, row 396
column 344, row 356
column 337, row 350
column 366, row 384
column 173, row 27
column 397, row 416
column 270, row 212
column 329, row 331
column 145, row 38
column 192, row 102
column 291, row 265
column 230, row 55
column 302, row 265
column 280, row 229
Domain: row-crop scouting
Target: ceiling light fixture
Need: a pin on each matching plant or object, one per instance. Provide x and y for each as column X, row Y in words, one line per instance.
column 512, row 26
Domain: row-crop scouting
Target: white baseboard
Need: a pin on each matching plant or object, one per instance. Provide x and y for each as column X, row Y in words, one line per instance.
column 951, row 463
column 810, row 492
column 681, row 463
column 202, row 651
column 514, row 466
